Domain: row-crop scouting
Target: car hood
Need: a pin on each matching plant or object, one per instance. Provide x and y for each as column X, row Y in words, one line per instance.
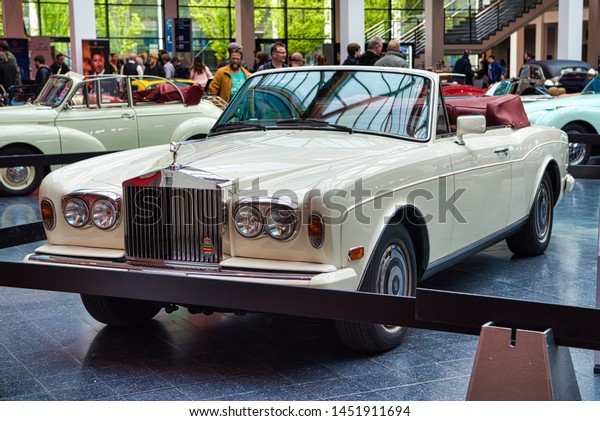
column 276, row 159
column 554, row 103
column 26, row 114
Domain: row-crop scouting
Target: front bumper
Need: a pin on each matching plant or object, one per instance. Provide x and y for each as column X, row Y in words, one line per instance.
column 232, row 269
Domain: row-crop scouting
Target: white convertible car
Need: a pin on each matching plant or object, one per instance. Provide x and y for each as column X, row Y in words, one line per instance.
column 348, row 178
column 69, row 116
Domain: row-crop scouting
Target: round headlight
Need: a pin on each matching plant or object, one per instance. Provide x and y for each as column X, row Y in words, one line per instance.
column 281, row 223
column 104, row 214
column 76, row 213
column 248, row 221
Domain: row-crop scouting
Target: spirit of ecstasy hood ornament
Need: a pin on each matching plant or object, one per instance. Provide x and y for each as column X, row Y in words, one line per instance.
column 174, row 148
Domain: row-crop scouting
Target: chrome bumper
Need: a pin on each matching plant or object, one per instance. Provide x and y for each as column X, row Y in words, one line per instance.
column 342, row 279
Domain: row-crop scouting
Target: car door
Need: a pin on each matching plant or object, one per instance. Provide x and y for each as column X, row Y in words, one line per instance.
column 481, row 171
column 157, row 120
column 98, row 111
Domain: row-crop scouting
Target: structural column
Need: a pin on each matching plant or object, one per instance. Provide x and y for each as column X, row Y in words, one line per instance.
column 83, row 26
column 12, row 17
column 517, row 51
column 351, row 24
column 541, row 39
column 434, row 31
column 593, row 56
column 570, row 29
column 244, row 27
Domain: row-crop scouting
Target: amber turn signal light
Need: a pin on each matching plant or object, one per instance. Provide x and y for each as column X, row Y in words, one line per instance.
column 356, row 253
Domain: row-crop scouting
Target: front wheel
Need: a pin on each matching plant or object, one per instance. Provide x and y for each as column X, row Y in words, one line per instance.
column 392, row 271
column 116, row 311
column 19, row 180
column 533, row 239
column 579, row 153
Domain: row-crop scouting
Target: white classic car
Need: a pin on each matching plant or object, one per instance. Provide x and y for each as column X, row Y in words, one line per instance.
column 347, row 178
column 68, row 116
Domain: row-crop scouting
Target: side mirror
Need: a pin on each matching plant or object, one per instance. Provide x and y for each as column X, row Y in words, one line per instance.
column 469, row 124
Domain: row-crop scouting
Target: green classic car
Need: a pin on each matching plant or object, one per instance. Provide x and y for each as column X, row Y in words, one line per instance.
column 574, row 114
column 74, row 114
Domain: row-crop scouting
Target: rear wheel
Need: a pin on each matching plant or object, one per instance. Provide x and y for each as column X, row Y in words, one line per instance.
column 392, row 271
column 19, row 180
column 579, row 153
column 533, row 239
column 119, row 311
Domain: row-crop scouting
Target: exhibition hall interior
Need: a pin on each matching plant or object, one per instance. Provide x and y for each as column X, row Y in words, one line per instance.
column 299, row 200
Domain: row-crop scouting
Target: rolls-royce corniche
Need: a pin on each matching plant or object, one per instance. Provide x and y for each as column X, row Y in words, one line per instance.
column 331, row 177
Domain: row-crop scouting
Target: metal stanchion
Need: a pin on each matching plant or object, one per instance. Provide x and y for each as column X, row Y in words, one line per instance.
column 513, row 364
column 597, row 353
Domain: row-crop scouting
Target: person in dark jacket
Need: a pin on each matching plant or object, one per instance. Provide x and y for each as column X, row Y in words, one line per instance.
column 8, row 72
column 155, row 67
column 353, row 54
column 59, row 67
column 463, row 66
column 42, row 74
column 373, row 52
column 495, row 70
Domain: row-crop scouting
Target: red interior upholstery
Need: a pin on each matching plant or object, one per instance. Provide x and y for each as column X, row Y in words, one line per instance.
column 502, row 110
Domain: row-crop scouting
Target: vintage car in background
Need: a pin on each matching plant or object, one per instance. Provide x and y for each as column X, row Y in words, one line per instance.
column 536, row 73
column 334, row 177
column 141, row 84
column 453, row 84
column 70, row 116
column 574, row 114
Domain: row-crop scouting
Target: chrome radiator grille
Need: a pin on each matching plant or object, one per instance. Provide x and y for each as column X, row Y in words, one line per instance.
column 173, row 224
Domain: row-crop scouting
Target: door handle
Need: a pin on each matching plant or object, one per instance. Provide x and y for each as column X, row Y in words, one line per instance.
column 127, row 117
column 503, row 150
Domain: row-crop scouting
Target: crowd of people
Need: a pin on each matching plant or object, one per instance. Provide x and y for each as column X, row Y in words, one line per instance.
column 233, row 71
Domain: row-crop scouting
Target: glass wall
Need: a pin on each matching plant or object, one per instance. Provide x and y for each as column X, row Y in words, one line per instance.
column 130, row 25
column 213, row 27
column 303, row 25
column 389, row 19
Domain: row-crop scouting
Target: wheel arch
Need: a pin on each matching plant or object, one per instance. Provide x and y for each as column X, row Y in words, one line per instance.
column 415, row 223
column 554, row 173
column 588, row 126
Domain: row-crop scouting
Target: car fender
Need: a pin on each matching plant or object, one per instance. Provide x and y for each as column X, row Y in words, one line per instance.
column 195, row 128
column 562, row 116
column 44, row 138
column 73, row 141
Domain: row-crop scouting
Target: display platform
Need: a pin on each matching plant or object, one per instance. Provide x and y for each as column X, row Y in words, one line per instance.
column 50, row 348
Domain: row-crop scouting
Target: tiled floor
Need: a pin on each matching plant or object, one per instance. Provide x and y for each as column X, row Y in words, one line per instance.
column 50, row 349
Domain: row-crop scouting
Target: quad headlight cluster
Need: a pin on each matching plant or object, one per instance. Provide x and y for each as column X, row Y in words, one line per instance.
column 84, row 209
column 274, row 217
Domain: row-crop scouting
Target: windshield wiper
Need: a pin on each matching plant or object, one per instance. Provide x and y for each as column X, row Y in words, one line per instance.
column 314, row 122
column 237, row 125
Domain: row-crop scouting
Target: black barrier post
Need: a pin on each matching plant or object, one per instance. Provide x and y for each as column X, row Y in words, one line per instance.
column 514, row 364
column 597, row 353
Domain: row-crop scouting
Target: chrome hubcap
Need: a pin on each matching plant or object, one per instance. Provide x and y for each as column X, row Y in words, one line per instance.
column 393, row 276
column 542, row 212
column 17, row 178
column 576, row 153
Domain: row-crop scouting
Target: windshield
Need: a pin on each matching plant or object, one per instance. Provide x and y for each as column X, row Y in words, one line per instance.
column 593, row 86
column 54, row 91
column 391, row 103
